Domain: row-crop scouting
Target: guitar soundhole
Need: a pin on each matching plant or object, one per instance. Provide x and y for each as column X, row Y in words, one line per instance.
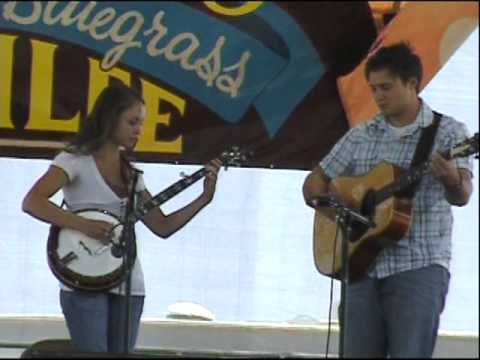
column 367, row 209
column 368, row 204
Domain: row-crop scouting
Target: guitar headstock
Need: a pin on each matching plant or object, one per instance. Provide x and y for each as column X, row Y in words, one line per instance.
column 234, row 157
column 466, row 147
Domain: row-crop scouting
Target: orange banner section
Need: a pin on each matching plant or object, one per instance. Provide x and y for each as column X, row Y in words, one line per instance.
column 434, row 29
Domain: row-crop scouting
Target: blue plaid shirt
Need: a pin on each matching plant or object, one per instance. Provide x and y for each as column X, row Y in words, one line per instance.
column 428, row 240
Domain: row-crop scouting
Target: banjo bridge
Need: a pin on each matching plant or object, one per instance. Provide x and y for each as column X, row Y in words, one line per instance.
column 85, row 247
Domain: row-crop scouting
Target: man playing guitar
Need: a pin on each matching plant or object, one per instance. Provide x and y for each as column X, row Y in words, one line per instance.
column 394, row 308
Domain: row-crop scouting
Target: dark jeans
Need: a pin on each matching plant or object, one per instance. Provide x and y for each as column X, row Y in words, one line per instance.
column 95, row 320
column 397, row 316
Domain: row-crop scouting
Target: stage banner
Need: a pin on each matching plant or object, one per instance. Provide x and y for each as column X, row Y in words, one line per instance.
column 261, row 75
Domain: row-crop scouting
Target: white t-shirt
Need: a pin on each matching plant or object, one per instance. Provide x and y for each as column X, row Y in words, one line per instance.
column 403, row 130
column 87, row 189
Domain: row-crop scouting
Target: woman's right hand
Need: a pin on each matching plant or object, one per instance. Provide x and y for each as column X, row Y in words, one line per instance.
column 97, row 229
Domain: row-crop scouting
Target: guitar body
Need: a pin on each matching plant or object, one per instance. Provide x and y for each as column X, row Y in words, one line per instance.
column 391, row 218
column 82, row 262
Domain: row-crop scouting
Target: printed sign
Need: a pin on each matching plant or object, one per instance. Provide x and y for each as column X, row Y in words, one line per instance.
column 257, row 74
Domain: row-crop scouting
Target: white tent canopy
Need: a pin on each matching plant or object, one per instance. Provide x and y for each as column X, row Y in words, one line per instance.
column 248, row 256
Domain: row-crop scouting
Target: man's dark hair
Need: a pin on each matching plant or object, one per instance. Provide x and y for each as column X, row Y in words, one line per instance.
column 399, row 60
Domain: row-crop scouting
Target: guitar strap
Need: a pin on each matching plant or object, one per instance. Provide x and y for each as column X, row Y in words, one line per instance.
column 422, row 152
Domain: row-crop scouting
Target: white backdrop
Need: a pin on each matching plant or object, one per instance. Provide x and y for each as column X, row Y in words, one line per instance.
column 248, row 255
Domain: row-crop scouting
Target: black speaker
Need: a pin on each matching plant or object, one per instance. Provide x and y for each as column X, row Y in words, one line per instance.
column 62, row 348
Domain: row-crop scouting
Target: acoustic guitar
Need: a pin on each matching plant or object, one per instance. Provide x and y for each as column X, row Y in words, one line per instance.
column 375, row 195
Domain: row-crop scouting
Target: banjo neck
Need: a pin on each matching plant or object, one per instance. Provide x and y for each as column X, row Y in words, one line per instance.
column 166, row 195
column 232, row 156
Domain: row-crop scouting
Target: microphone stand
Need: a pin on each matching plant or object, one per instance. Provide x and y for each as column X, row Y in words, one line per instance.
column 127, row 241
column 344, row 218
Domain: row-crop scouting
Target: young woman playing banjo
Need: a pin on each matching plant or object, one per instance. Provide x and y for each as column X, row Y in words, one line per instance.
column 94, row 172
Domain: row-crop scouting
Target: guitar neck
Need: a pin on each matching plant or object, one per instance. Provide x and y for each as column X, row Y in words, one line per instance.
column 402, row 183
column 167, row 194
column 412, row 176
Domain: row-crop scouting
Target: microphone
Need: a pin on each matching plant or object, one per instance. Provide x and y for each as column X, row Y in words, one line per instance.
column 331, row 202
column 321, row 201
column 117, row 250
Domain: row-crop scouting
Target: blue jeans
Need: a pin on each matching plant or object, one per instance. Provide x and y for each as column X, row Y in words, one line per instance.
column 95, row 321
column 397, row 316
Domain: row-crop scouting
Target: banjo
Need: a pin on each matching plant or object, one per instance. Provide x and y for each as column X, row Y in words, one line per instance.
column 84, row 263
